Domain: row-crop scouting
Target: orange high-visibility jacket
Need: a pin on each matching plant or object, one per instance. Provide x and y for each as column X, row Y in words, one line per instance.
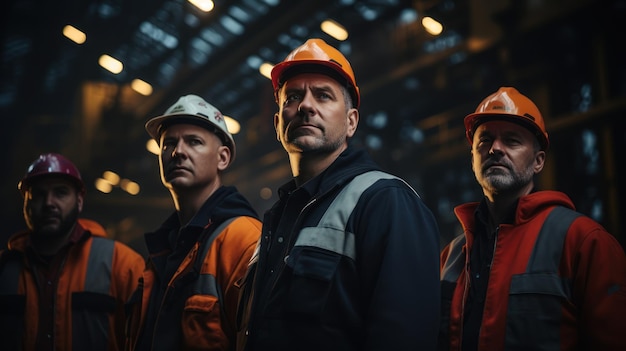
column 197, row 309
column 95, row 280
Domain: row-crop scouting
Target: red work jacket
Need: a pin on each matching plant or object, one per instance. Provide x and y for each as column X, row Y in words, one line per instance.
column 592, row 267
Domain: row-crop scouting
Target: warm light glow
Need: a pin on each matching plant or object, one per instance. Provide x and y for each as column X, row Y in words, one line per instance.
column 111, row 64
column 432, row 26
column 203, row 5
column 266, row 70
column 153, row 147
column 334, row 29
column 232, row 125
column 74, row 34
column 103, row 185
column 141, row 87
column 111, row 177
column 265, row 193
column 129, row 186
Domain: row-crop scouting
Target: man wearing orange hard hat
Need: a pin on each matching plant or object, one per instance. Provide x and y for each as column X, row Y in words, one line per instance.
column 348, row 258
column 529, row 272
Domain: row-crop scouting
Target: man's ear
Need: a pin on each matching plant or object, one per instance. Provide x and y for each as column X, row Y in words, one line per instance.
column 353, row 121
column 276, row 126
column 540, row 161
column 80, row 200
column 223, row 157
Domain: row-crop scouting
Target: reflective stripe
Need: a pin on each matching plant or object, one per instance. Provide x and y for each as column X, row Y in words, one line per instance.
column 206, row 284
column 90, row 325
column 99, row 265
column 327, row 233
column 455, row 261
column 536, row 296
column 546, row 256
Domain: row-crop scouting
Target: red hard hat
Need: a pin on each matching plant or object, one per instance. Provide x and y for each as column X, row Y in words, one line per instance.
column 509, row 105
column 51, row 164
column 317, row 53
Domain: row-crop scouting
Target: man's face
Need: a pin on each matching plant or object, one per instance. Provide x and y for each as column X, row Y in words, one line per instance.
column 313, row 115
column 505, row 157
column 191, row 157
column 51, row 207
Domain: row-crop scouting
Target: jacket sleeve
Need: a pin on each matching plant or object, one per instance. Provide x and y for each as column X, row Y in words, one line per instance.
column 400, row 261
column 598, row 265
column 238, row 245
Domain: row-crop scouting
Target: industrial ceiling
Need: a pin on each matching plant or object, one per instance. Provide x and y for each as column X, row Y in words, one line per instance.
column 416, row 87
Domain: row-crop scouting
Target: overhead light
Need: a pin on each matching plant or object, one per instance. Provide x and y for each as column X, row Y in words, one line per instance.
column 232, row 125
column 111, row 64
column 103, row 185
column 129, row 186
column 203, row 5
column 74, row 34
column 141, row 87
column 334, row 29
column 111, row 177
column 432, row 26
column 153, row 147
column 266, row 70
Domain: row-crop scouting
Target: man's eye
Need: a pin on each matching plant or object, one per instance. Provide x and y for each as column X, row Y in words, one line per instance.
column 323, row 96
column 292, row 97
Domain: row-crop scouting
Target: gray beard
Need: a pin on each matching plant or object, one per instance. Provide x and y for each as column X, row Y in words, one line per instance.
column 507, row 183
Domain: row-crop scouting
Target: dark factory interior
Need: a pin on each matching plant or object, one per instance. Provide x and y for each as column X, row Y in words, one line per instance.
column 568, row 56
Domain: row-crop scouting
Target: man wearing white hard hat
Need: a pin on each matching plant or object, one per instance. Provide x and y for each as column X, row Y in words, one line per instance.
column 189, row 294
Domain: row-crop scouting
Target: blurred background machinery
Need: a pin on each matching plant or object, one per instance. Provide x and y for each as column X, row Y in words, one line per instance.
column 82, row 77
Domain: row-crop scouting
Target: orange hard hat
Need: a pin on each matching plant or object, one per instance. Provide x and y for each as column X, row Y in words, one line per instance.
column 509, row 105
column 316, row 56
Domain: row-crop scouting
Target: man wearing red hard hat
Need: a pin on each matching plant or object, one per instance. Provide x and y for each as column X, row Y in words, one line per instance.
column 348, row 258
column 529, row 272
column 63, row 284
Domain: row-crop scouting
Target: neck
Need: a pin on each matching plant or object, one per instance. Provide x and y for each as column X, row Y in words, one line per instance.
column 50, row 245
column 502, row 204
column 305, row 166
column 189, row 201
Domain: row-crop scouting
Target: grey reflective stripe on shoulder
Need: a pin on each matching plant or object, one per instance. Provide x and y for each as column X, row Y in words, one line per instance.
column 455, row 261
column 328, row 233
column 10, row 275
column 99, row 265
column 546, row 256
column 206, row 283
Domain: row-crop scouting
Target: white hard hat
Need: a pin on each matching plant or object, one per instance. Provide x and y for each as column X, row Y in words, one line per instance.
column 193, row 109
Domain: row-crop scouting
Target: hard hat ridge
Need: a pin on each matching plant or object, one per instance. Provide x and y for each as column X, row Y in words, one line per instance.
column 193, row 109
column 510, row 105
column 316, row 56
column 51, row 164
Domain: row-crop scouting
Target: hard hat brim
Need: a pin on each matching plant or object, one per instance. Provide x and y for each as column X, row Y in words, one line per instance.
column 278, row 74
column 473, row 120
column 154, row 127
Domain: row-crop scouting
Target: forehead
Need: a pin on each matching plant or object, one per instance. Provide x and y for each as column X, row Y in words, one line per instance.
column 51, row 181
column 315, row 79
column 179, row 129
column 499, row 126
